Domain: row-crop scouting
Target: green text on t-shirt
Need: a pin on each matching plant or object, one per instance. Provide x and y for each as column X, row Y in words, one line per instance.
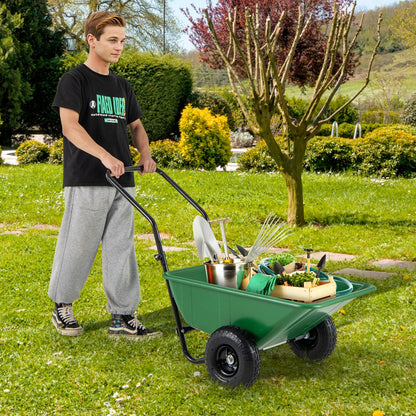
column 111, row 105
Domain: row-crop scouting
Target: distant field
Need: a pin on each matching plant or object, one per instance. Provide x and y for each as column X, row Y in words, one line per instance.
column 394, row 71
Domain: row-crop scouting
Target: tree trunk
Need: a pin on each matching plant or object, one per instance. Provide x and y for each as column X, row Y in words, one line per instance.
column 292, row 170
column 294, row 186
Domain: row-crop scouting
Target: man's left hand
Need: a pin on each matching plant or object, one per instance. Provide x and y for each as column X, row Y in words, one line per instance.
column 149, row 165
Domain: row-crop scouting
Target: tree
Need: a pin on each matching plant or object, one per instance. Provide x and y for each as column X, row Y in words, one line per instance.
column 37, row 49
column 14, row 90
column 145, row 21
column 404, row 23
column 267, row 77
column 307, row 59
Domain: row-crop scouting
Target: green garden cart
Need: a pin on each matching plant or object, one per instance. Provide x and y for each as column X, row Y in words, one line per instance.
column 241, row 323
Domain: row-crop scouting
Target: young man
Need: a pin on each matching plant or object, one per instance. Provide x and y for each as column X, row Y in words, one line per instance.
column 96, row 107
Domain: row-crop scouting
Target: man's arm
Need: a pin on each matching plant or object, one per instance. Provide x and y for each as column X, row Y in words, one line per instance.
column 141, row 143
column 77, row 135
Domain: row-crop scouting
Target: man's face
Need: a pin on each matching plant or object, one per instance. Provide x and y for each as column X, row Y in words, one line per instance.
column 110, row 45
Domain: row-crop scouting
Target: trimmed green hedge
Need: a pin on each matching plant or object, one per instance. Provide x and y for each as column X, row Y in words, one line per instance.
column 346, row 130
column 328, row 154
column 162, row 85
column 385, row 152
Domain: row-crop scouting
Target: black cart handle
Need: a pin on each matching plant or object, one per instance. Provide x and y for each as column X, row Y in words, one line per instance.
column 114, row 182
column 161, row 256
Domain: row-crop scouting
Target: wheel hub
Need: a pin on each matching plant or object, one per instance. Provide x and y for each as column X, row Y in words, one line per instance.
column 227, row 361
column 230, row 360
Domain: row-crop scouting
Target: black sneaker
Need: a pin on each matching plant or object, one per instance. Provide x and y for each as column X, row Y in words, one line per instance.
column 64, row 320
column 129, row 325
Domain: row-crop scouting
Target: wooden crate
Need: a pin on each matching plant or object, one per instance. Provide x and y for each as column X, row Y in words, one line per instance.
column 306, row 294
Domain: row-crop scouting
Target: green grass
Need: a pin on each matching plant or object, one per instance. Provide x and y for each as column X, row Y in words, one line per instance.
column 43, row 373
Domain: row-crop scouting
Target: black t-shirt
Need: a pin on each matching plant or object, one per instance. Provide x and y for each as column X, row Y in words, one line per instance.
column 106, row 104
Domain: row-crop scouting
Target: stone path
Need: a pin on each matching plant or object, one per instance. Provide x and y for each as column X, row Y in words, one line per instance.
column 371, row 274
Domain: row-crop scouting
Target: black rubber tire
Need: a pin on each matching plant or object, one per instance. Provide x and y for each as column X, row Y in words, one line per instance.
column 319, row 343
column 232, row 357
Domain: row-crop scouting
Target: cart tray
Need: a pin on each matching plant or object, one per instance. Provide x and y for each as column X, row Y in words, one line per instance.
column 272, row 321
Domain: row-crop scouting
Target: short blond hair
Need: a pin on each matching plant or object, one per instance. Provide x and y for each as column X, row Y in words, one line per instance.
column 96, row 22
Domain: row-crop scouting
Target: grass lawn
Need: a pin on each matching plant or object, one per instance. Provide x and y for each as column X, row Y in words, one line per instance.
column 42, row 373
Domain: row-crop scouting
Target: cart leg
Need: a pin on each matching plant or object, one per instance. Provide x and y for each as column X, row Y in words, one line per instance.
column 182, row 330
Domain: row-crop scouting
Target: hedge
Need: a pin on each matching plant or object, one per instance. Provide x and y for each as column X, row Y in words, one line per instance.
column 385, row 152
column 162, row 85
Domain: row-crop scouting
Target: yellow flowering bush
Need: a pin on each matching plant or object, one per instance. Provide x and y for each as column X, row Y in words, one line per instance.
column 32, row 151
column 205, row 138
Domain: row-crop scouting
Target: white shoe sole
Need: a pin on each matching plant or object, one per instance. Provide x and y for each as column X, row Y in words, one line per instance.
column 69, row 332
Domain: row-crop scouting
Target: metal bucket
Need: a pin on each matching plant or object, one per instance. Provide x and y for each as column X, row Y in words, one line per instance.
column 234, row 275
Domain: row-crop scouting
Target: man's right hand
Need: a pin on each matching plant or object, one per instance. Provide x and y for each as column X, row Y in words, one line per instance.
column 115, row 166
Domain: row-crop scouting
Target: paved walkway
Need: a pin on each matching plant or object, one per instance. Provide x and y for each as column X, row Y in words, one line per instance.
column 9, row 157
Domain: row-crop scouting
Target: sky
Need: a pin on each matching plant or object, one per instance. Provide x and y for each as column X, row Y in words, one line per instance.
column 176, row 5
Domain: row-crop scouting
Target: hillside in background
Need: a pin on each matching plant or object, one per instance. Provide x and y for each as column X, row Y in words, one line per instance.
column 394, row 65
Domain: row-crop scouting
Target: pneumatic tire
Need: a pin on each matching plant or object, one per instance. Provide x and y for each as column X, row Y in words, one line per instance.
column 232, row 357
column 318, row 344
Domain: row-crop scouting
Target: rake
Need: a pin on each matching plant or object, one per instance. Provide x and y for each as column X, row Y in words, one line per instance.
column 273, row 231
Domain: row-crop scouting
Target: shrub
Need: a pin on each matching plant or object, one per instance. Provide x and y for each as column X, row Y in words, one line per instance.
column 257, row 159
column 32, row 151
column 205, row 138
column 325, row 154
column 167, row 154
column 135, row 155
column 238, row 116
column 385, row 152
column 1, row 160
column 409, row 111
column 56, row 155
column 162, row 85
column 346, row 130
column 215, row 103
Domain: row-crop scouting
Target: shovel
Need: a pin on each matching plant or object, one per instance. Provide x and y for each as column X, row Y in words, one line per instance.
column 206, row 243
column 320, row 265
column 242, row 250
column 279, row 269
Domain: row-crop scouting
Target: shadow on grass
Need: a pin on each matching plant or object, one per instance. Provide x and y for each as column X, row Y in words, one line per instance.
column 358, row 219
column 161, row 318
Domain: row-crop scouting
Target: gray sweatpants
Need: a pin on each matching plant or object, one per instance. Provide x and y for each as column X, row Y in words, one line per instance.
column 95, row 214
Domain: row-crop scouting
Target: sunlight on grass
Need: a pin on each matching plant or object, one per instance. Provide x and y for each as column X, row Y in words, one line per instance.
column 372, row 368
